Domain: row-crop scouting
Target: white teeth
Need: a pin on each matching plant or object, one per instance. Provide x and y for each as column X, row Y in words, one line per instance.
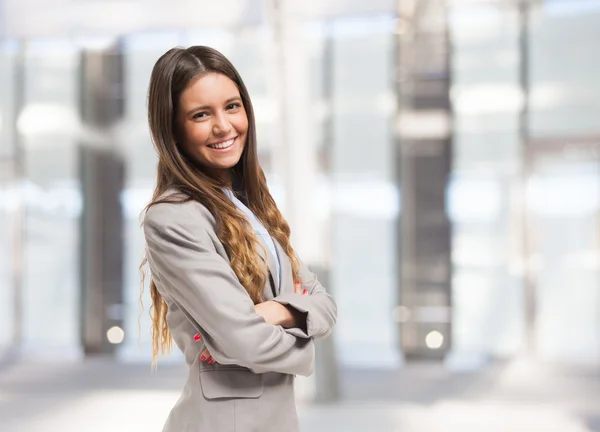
column 223, row 144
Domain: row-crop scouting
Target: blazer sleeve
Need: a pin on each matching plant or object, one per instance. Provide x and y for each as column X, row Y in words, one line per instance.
column 319, row 306
column 204, row 286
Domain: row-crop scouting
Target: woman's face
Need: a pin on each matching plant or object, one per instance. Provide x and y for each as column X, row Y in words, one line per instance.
column 213, row 125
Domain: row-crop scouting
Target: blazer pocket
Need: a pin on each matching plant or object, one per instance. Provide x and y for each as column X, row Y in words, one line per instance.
column 231, row 384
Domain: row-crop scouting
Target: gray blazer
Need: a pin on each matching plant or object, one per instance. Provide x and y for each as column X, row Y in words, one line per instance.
column 250, row 387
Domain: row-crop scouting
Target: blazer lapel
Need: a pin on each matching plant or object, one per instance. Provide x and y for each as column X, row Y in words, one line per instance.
column 273, row 282
column 287, row 280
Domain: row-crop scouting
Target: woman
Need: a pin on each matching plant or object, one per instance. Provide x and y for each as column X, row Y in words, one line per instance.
column 220, row 256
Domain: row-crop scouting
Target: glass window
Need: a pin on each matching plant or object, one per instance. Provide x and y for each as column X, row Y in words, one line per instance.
column 48, row 125
column 484, row 191
column 564, row 215
column 9, row 223
column 565, row 96
column 364, row 196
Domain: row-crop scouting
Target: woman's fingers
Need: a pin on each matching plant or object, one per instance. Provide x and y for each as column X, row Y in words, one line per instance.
column 298, row 288
column 205, row 356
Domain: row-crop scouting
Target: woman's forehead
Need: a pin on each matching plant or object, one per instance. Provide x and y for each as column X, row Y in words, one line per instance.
column 209, row 89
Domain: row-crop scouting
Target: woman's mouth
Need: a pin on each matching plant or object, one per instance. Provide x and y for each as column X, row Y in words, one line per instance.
column 223, row 145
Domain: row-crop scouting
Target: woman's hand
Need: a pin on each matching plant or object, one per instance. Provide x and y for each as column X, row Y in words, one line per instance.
column 205, row 355
column 273, row 313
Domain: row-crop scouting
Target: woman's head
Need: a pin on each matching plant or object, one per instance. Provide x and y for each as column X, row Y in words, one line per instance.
column 198, row 104
column 201, row 116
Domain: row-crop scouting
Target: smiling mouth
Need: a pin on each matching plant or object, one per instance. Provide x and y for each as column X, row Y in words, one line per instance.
column 222, row 145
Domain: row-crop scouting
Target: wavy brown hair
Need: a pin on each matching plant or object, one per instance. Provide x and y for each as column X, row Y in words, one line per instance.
column 171, row 75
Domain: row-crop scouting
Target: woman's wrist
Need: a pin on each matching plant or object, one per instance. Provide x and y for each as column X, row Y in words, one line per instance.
column 283, row 316
column 294, row 318
column 286, row 316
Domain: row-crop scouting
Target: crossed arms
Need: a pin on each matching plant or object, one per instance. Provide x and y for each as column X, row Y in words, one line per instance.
column 202, row 284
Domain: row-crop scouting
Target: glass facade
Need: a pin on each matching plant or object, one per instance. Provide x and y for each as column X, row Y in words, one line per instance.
column 523, row 198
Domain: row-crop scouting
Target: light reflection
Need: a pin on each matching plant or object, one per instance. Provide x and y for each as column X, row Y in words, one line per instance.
column 556, row 197
column 39, row 119
column 487, row 98
column 434, row 340
column 62, row 198
column 474, row 199
column 115, row 335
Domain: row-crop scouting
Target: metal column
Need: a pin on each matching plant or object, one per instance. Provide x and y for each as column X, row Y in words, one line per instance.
column 424, row 152
column 102, row 171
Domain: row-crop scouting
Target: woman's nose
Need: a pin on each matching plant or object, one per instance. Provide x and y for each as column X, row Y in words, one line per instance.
column 221, row 125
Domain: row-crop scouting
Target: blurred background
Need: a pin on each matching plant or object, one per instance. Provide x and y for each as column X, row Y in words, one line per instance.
column 438, row 161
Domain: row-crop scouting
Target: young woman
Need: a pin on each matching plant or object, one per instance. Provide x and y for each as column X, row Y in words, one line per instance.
column 226, row 284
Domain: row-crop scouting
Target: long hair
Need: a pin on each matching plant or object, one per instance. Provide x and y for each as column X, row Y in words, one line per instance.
column 171, row 75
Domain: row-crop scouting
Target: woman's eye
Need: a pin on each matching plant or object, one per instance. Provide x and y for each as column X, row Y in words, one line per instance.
column 200, row 115
column 233, row 105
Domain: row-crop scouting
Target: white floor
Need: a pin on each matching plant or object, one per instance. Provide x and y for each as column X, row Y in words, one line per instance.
column 85, row 400
column 145, row 411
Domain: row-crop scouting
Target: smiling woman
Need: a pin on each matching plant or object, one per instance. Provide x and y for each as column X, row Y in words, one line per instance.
column 226, row 283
